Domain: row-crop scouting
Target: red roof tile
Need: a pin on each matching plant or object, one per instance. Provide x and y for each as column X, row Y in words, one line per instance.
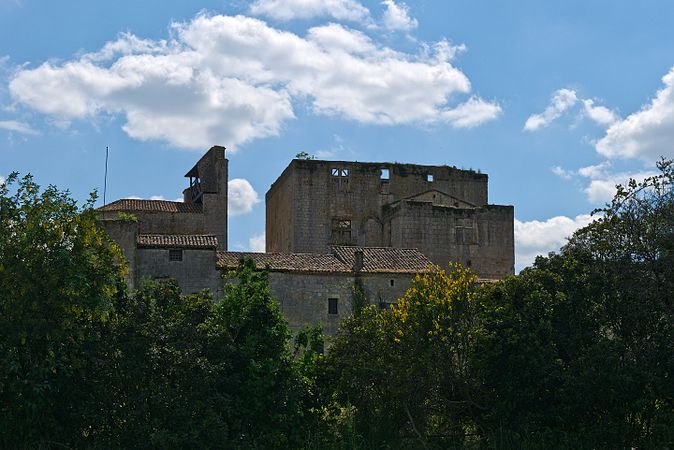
column 177, row 240
column 130, row 204
column 384, row 259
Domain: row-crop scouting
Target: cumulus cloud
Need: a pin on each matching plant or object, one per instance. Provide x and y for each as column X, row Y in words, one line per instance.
column 284, row 10
column 646, row 134
column 397, row 16
column 603, row 181
column 472, row 113
column 563, row 100
column 242, row 197
column 599, row 114
column 17, row 127
column 230, row 80
column 536, row 237
column 256, row 243
column 562, row 173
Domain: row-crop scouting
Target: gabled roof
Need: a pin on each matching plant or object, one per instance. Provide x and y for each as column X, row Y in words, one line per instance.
column 384, row 259
column 438, row 198
column 130, row 204
column 285, row 262
column 375, row 260
column 177, row 241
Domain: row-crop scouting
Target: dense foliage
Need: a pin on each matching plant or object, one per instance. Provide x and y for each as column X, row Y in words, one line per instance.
column 576, row 351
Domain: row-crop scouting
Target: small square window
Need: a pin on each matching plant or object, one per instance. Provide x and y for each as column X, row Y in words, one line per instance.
column 334, row 172
column 175, row 254
column 385, row 174
column 344, row 173
column 332, row 306
column 429, row 178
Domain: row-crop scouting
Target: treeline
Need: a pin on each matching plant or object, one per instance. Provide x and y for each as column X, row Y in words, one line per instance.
column 576, row 351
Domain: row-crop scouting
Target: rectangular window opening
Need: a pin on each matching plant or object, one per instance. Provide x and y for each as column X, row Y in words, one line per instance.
column 392, row 283
column 175, row 254
column 385, row 174
column 334, row 172
column 341, row 231
column 332, row 306
column 429, row 178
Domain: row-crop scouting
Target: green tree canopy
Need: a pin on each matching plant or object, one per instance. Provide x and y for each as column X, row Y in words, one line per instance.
column 59, row 276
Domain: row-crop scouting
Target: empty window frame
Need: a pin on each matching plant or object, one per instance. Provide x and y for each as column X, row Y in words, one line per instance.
column 332, row 306
column 341, row 231
column 337, row 172
column 175, row 254
column 429, row 177
column 385, row 174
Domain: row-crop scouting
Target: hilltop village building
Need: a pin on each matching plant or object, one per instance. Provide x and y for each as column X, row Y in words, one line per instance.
column 329, row 224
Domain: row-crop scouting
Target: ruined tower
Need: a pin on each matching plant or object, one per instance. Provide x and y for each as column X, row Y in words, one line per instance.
column 440, row 210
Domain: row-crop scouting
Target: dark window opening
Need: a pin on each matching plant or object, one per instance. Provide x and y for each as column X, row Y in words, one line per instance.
column 392, row 283
column 341, row 231
column 332, row 306
column 385, row 174
column 175, row 254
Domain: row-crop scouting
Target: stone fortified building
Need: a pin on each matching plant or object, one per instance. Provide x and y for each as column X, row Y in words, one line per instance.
column 328, row 225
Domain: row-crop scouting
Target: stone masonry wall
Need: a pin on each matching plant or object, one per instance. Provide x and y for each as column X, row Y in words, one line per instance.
column 311, row 197
column 303, row 297
column 124, row 233
column 196, row 271
column 480, row 238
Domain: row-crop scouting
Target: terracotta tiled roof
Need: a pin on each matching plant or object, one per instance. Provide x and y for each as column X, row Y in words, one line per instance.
column 130, row 204
column 285, row 262
column 384, row 259
column 177, row 240
column 376, row 260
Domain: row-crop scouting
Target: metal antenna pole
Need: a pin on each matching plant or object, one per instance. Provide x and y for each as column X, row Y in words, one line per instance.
column 105, row 180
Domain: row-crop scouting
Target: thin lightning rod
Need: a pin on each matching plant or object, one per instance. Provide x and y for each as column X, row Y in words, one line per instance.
column 105, row 180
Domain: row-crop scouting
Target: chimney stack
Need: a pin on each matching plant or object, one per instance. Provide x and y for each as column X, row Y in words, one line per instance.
column 358, row 261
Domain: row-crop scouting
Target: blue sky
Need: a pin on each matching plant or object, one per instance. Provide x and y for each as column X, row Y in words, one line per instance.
column 556, row 102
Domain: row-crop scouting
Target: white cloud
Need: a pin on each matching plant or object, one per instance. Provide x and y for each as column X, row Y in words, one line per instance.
column 161, row 197
column 242, row 197
column 536, row 237
column 562, row 173
column 603, row 181
column 18, row 127
column 472, row 113
column 2, row 180
column 397, row 16
column 231, row 80
column 599, row 114
column 562, row 101
column 285, row 10
column 646, row 134
column 256, row 243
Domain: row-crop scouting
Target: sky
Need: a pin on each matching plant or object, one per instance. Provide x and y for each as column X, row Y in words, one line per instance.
column 555, row 101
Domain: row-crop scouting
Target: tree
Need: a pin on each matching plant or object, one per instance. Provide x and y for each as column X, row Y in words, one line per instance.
column 404, row 370
column 579, row 346
column 59, row 276
column 184, row 371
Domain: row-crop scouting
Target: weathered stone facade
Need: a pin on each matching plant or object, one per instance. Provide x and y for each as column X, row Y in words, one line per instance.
column 330, row 226
column 440, row 210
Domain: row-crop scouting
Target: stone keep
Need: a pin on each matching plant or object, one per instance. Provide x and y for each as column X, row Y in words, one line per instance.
column 330, row 226
column 440, row 210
